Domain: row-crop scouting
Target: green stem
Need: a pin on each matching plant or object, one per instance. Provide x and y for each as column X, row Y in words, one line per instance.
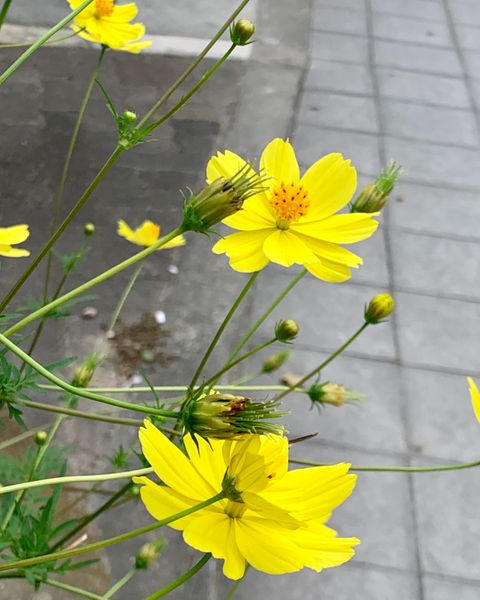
column 95, row 281
column 81, row 391
column 71, row 588
column 91, row 517
column 120, row 583
column 37, row 560
column 326, row 362
column 182, row 579
column 174, row 388
column 396, row 469
column 55, row 41
column 66, row 165
column 27, row 485
column 221, row 329
column 233, row 590
column 229, row 366
column 4, row 11
column 41, row 40
column 22, row 436
column 265, row 315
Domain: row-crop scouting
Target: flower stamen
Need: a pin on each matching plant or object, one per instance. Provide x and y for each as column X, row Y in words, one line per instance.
column 290, row 202
column 104, row 8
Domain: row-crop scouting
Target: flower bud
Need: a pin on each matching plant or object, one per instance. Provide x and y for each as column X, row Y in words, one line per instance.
column 225, row 416
column 41, row 438
column 241, row 32
column 129, row 117
column 89, row 229
column 329, row 393
column 374, row 196
column 83, row 374
column 275, row 361
column 286, row 330
column 149, row 553
column 379, row 308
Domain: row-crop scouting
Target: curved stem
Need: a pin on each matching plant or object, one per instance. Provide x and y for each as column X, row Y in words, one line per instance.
column 71, row 588
column 22, row 436
column 440, row 468
column 41, row 40
column 4, row 11
column 175, row 388
column 55, row 41
column 223, row 325
column 38, row 560
column 265, row 315
column 326, row 362
column 120, row 583
column 182, row 579
column 232, row 591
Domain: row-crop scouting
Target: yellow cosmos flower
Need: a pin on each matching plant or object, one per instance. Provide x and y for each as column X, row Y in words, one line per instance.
column 146, row 235
column 107, row 23
column 271, row 518
column 9, row 236
column 475, row 396
column 293, row 220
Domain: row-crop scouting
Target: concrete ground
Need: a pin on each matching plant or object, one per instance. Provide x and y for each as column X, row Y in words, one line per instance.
column 375, row 79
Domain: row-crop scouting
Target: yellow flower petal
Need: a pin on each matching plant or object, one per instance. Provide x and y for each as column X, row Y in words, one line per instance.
column 279, row 162
column 330, row 183
column 13, row 235
column 286, row 248
column 123, row 13
column 330, row 251
column 475, row 396
column 245, row 250
column 330, row 271
column 211, row 464
column 227, row 165
column 13, row 252
column 340, row 229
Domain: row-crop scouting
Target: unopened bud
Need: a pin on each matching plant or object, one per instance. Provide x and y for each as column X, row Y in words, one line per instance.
column 275, row 361
column 374, row 196
column 380, row 307
column 149, row 553
column 89, row 229
column 328, row 393
column 241, row 32
column 286, row 331
column 83, row 374
column 41, row 438
column 129, row 116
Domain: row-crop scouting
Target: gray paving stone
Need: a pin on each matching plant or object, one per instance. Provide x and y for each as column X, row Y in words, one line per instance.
column 339, row 20
column 434, row 164
column 411, row 30
column 421, row 59
column 468, row 37
column 373, row 251
column 473, row 63
column 432, row 89
column 438, row 332
column 424, row 9
column 343, row 583
column 442, row 588
column 435, row 265
column 328, row 314
column 338, row 111
column 352, row 4
column 373, row 423
column 339, row 77
column 448, row 523
column 362, row 148
column 433, row 400
column 464, row 12
column 436, row 210
column 429, row 123
column 332, row 46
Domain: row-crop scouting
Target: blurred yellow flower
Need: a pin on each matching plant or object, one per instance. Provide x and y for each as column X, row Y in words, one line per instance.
column 146, row 235
column 10, row 236
column 293, row 220
column 108, row 23
column 271, row 518
column 475, row 396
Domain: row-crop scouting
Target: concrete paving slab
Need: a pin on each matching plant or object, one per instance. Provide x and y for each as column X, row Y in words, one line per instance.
column 334, row 46
column 411, row 30
column 357, row 5
column 468, row 38
column 443, row 588
column 420, row 59
column 339, row 77
column 464, row 12
column 427, row 10
column 472, row 60
column 339, row 20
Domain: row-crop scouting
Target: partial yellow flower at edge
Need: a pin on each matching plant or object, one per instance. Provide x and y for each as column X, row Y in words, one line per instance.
column 293, row 220
column 10, row 236
column 107, row 23
column 146, row 235
column 475, row 396
column 272, row 519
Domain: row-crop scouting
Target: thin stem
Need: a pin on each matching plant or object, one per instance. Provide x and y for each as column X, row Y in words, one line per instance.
column 41, row 40
column 4, row 11
column 182, row 579
column 71, row 588
column 55, row 41
column 81, row 391
column 37, row 560
column 265, row 315
column 221, row 329
column 397, row 469
column 118, row 268
column 232, row 591
column 22, row 436
column 326, row 362
column 120, row 583
column 66, row 165
column 27, row 485
column 229, row 366
column 174, row 388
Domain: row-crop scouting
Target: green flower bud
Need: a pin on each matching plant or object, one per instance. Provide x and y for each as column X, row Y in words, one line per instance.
column 129, row 117
column 83, row 374
column 149, row 553
column 89, row 229
column 241, row 32
column 379, row 308
column 41, row 438
column 330, row 393
column 286, row 331
column 275, row 361
column 374, row 196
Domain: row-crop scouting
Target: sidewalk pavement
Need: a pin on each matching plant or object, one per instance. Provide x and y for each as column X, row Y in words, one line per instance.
column 380, row 80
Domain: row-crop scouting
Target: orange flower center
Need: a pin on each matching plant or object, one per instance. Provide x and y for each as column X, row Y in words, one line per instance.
column 104, row 8
column 290, row 202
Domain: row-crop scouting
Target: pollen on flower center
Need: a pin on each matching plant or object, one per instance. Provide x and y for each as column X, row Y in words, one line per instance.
column 290, row 201
column 104, row 8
